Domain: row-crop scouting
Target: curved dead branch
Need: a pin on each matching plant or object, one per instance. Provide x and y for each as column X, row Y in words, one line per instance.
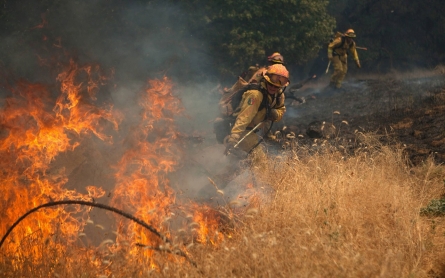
column 101, row 206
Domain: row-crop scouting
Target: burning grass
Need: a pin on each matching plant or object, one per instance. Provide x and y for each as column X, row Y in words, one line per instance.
column 329, row 216
column 324, row 214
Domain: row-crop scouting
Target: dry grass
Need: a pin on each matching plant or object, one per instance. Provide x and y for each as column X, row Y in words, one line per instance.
column 329, row 217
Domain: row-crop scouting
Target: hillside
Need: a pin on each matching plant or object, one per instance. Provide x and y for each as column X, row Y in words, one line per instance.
column 314, row 214
column 408, row 107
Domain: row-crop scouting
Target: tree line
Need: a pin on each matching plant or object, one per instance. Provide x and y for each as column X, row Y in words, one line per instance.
column 232, row 35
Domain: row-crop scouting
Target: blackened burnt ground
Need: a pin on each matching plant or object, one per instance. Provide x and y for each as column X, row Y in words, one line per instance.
column 406, row 109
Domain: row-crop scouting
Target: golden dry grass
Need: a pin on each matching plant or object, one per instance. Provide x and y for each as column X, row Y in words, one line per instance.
column 329, row 216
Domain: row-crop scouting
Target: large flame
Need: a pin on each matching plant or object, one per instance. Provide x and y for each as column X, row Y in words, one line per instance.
column 34, row 131
column 142, row 186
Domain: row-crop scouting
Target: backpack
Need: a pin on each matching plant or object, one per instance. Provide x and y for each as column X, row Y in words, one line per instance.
column 247, row 75
column 337, row 35
column 229, row 102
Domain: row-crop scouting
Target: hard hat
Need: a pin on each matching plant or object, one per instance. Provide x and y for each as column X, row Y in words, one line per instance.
column 277, row 75
column 276, row 58
column 350, row 33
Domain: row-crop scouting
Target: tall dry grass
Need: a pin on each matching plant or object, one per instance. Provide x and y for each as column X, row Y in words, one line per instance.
column 328, row 216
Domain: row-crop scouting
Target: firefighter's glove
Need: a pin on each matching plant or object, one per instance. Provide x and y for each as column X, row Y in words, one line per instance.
column 230, row 141
column 357, row 62
column 273, row 115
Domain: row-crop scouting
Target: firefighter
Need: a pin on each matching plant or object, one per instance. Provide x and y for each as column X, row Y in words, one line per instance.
column 255, row 73
column 275, row 58
column 265, row 104
column 338, row 56
column 255, row 77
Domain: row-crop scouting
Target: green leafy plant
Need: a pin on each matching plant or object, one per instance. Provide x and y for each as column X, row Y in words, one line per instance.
column 242, row 32
column 434, row 208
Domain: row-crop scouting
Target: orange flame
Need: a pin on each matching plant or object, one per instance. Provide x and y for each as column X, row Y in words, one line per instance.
column 209, row 222
column 142, row 186
column 35, row 130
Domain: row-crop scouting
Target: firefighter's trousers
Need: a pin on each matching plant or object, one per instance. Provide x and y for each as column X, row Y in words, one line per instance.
column 340, row 64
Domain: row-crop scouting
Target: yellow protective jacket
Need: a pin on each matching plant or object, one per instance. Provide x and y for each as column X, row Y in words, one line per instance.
column 248, row 114
column 340, row 47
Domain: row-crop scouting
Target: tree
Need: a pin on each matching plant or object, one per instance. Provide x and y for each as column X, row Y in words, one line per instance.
column 398, row 33
column 242, row 32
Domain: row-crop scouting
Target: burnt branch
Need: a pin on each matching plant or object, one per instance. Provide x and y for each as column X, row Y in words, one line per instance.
column 101, row 206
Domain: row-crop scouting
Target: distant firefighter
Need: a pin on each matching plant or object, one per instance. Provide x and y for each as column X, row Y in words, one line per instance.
column 255, row 73
column 338, row 55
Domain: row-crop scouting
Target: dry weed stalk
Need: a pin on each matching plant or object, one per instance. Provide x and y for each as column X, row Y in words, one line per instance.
column 330, row 216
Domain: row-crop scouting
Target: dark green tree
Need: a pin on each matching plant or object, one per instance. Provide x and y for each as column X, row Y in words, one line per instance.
column 399, row 34
column 244, row 32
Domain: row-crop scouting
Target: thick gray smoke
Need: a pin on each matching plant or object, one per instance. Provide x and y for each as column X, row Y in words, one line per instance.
column 139, row 42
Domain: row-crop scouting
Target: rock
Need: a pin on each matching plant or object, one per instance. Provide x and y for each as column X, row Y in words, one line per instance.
column 318, row 129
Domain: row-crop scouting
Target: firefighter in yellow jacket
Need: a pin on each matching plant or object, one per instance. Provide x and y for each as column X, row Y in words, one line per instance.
column 257, row 106
column 338, row 56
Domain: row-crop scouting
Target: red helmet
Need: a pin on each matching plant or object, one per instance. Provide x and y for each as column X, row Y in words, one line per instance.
column 276, row 58
column 277, row 75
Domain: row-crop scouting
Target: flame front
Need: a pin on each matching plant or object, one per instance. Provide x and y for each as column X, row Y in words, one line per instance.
column 142, row 186
column 34, row 131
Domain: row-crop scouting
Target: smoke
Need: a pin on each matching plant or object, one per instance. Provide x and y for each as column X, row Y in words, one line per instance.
column 132, row 42
column 137, row 41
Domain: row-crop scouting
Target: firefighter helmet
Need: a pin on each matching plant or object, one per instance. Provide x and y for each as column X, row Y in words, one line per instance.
column 276, row 58
column 277, row 75
column 350, row 33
